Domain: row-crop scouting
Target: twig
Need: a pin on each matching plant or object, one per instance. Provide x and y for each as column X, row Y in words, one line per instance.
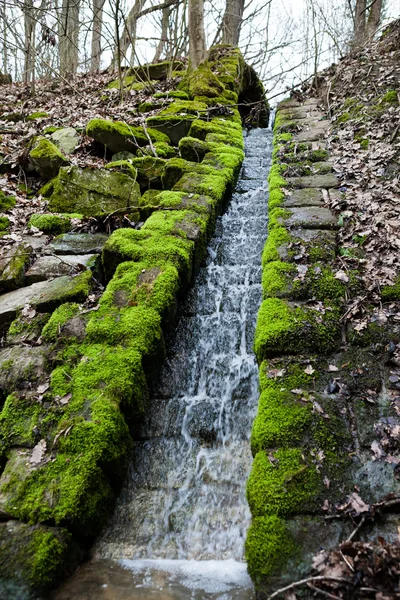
column 149, row 138
column 301, row 582
column 12, row 131
column 356, row 530
column 323, row 592
column 346, row 561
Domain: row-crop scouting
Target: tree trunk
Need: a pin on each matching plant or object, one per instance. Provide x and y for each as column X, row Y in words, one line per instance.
column 29, row 31
column 128, row 36
column 374, row 18
column 164, row 33
column 197, row 37
column 360, row 23
column 232, row 22
column 96, row 35
column 68, row 37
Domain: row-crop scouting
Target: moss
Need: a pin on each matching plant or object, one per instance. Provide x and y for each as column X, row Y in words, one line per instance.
column 193, row 149
column 37, row 115
column 60, row 316
column 279, row 280
column 4, row 224
column 281, row 420
column 275, row 179
column 6, row 202
column 119, row 136
column 183, row 107
column 391, row 292
column 282, row 488
column 172, row 94
column 391, row 97
column 277, row 217
column 125, row 166
column 203, row 82
column 50, row 223
column 276, row 239
column 154, row 250
column 18, row 421
column 47, row 553
column 227, row 131
column 282, row 328
column 276, row 198
column 47, row 189
column 149, row 171
column 134, row 284
column 47, row 158
column 268, row 547
column 281, row 138
column 51, row 129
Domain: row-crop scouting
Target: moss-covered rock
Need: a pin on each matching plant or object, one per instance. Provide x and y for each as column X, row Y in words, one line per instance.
column 203, row 82
column 37, row 115
column 176, row 120
column 119, row 136
column 149, row 171
column 283, row 328
column 14, row 266
column 6, row 202
column 47, row 158
column 93, row 192
column 50, row 223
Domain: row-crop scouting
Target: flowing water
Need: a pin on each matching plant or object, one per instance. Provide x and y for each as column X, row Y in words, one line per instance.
column 179, row 526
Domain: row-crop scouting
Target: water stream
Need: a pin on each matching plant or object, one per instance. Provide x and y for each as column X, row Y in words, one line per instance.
column 179, row 526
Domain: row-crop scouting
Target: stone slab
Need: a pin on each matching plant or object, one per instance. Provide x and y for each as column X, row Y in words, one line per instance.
column 22, row 367
column 312, row 132
column 301, row 113
column 329, row 180
column 77, row 243
column 44, row 295
column 305, row 197
column 311, row 218
column 47, row 267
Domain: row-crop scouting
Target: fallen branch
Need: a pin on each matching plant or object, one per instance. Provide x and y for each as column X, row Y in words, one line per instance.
column 301, row 582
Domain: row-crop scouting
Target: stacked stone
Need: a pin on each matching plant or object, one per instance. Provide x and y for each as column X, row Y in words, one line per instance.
column 311, row 437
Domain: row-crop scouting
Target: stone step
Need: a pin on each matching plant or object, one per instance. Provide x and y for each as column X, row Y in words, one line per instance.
column 47, row 267
column 77, row 243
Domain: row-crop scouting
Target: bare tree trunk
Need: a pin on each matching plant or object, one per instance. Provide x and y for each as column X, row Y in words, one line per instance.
column 197, row 37
column 68, row 37
column 96, row 35
column 29, row 30
column 128, row 36
column 232, row 22
column 164, row 33
column 359, row 23
column 374, row 18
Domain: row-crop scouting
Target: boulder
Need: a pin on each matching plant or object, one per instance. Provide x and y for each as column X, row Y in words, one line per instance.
column 93, row 192
column 66, row 139
column 46, row 158
column 13, row 266
column 119, row 136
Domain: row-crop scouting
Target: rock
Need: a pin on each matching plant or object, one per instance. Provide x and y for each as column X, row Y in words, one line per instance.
column 317, row 181
column 119, row 136
column 304, row 197
column 32, row 556
column 21, row 367
column 176, row 120
column 93, row 192
column 5, row 78
column 66, row 139
column 77, row 243
column 47, row 267
column 311, row 218
column 149, row 171
column 46, row 158
column 125, row 155
column 157, row 71
column 13, row 267
column 45, row 296
column 312, row 133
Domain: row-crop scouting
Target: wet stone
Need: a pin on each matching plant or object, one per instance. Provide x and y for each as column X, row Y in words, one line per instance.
column 247, row 185
column 322, row 239
column 47, row 267
column 314, row 181
column 312, row 132
column 77, row 243
column 311, row 218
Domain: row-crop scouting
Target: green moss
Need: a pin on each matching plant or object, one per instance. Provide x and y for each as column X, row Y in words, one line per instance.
column 282, row 328
column 125, row 166
column 282, row 488
column 185, row 107
column 47, row 189
column 60, row 316
column 276, row 198
column 319, row 282
column 37, row 115
column 18, row 420
column 275, row 179
column 281, row 138
column 134, row 284
column 51, row 129
column 119, row 136
column 47, row 158
column 50, row 223
column 281, row 420
column 203, row 82
column 268, row 547
column 227, row 131
column 47, row 552
column 153, row 249
column 391, row 97
column 4, row 224
column 6, row 202
column 277, row 238
column 276, row 218
column 391, row 292
column 172, row 94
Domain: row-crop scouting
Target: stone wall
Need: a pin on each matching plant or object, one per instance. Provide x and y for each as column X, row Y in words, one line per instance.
column 325, row 388
column 75, row 367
